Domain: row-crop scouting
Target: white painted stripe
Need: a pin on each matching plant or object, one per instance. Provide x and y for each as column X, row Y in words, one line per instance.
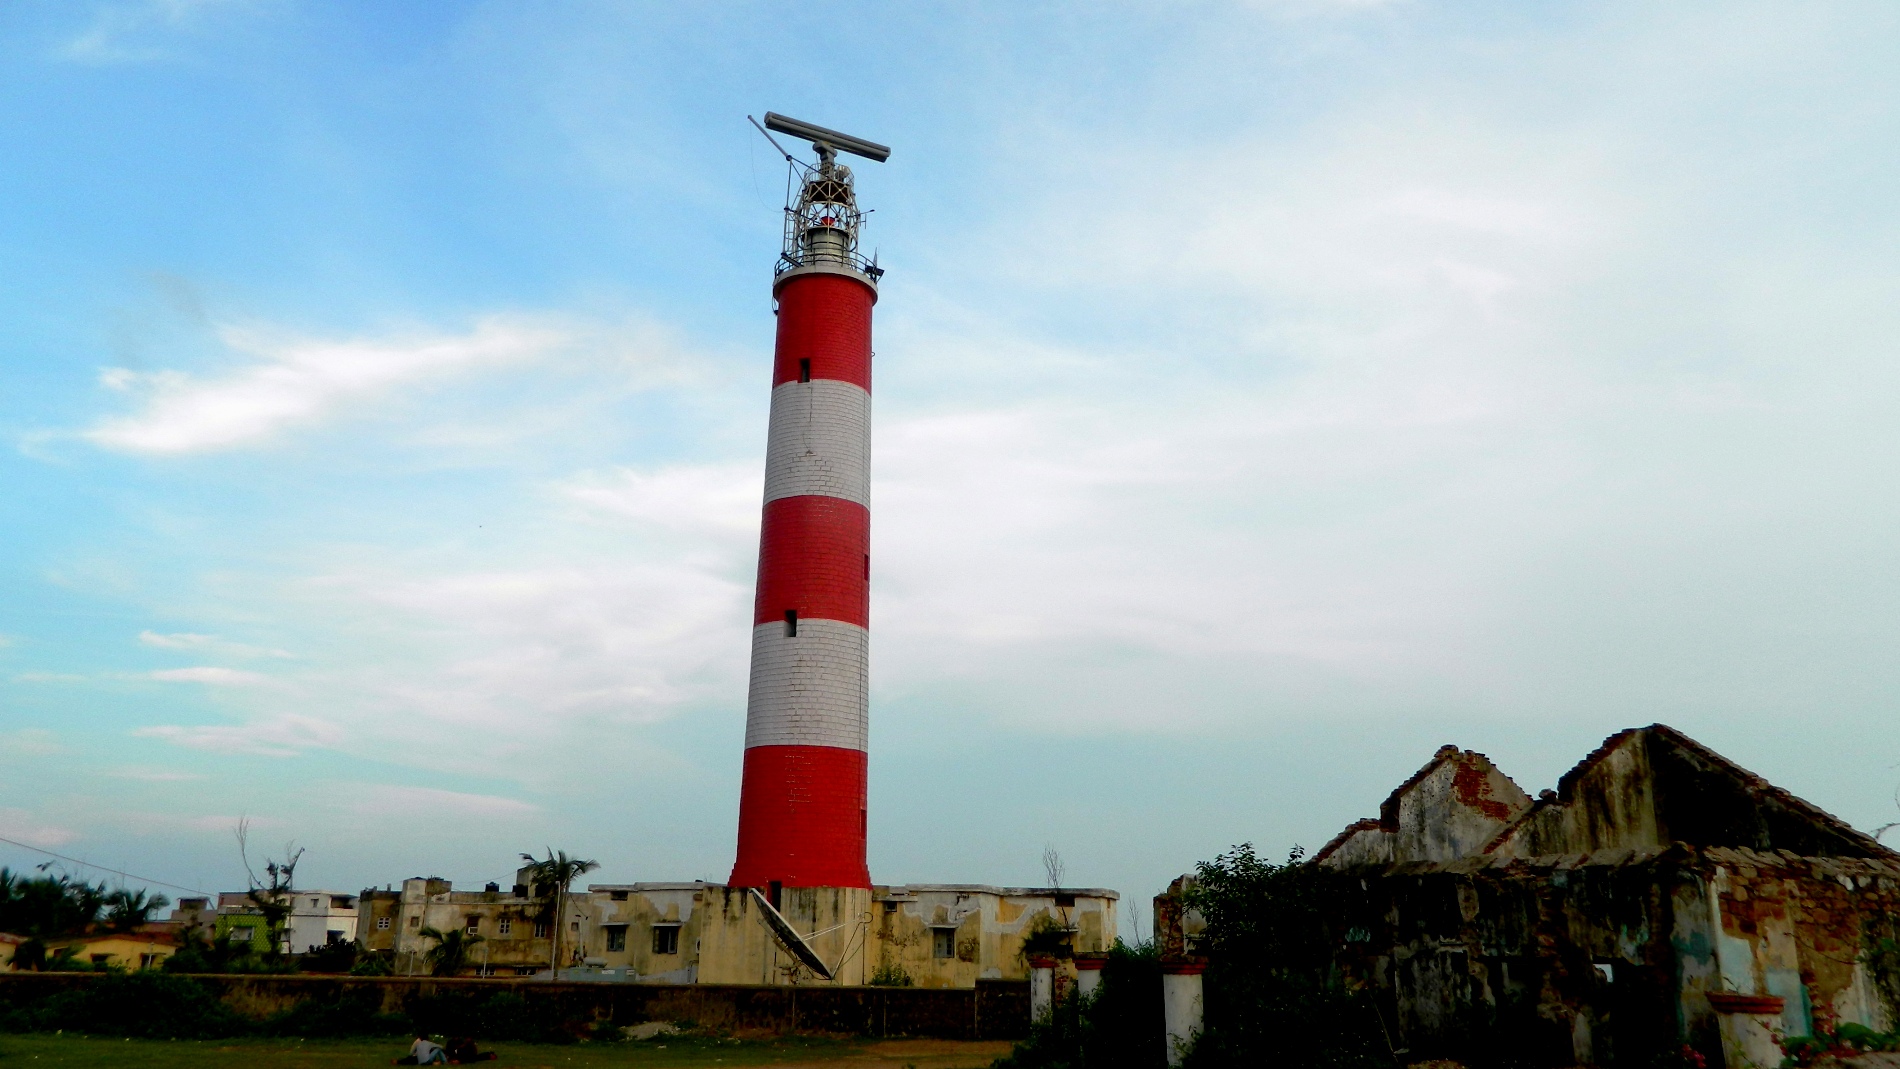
column 820, row 441
column 809, row 690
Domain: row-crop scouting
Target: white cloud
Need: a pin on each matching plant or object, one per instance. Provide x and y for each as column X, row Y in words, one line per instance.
column 29, row 742
column 24, row 826
column 131, row 31
column 297, row 382
column 718, row 499
column 283, row 735
column 384, row 800
column 209, row 675
column 209, row 644
column 149, row 774
column 49, row 677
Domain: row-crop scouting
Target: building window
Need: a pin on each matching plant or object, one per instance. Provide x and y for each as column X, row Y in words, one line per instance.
column 573, row 926
column 146, row 961
column 332, row 937
column 101, row 959
column 542, row 929
column 313, row 903
column 524, row 970
column 415, row 921
column 804, row 370
column 474, row 924
column 616, row 937
column 382, row 924
column 791, row 623
column 943, row 942
column 506, row 926
column 666, row 939
column 618, row 896
column 242, row 935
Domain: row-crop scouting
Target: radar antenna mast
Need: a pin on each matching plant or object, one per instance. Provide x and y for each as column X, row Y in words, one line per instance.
column 823, row 221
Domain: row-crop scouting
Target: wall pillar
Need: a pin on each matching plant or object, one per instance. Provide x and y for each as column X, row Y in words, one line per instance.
column 1088, row 972
column 1042, row 988
column 1750, row 1026
column 1182, row 1004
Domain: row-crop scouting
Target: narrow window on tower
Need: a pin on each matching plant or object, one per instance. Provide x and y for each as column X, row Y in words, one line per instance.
column 867, row 566
column 791, row 623
column 804, row 370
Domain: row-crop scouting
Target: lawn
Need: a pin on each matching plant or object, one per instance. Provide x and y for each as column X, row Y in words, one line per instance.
column 792, row 1052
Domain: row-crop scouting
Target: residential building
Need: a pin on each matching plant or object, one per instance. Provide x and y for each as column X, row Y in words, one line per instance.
column 316, row 919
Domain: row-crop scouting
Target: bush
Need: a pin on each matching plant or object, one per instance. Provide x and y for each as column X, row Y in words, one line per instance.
column 501, row 1015
column 146, row 1005
column 1270, row 994
column 351, row 1013
column 890, row 974
column 1118, row 1027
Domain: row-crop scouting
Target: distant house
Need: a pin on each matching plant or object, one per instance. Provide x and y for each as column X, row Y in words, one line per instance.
column 125, row 950
column 316, row 919
column 8, row 944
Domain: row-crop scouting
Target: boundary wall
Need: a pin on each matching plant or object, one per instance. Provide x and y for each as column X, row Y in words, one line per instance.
column 993, row 1009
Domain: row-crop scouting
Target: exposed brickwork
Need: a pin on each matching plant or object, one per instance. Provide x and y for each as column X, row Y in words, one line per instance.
column 825, row 319
column 812, row 553
column 820, row 441
column 801, row 807
column 801, row 818
column 809, row 690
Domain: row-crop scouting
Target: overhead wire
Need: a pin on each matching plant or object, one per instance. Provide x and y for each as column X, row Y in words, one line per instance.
column 104, row 868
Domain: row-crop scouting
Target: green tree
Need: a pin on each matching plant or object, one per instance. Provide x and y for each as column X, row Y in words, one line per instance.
column 1272, row 996
column 271, row 895
column 48, row 906
column 451, row 949
column 128, row 910
column 556, row 872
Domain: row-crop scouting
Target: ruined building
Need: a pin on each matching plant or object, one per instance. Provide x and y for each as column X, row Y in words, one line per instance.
column 1660, row 896
column 936, row 935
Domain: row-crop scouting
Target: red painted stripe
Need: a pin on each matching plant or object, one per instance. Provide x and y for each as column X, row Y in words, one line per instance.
column 825, row 319
column 812, row 553
column 801, row 818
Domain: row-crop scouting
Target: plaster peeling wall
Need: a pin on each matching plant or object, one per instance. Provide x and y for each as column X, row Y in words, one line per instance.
column 989, row 926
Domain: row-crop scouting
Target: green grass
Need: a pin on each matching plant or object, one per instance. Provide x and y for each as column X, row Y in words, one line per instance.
column 41, row 1051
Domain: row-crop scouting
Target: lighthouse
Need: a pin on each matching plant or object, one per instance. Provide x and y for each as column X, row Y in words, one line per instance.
column 802, row 803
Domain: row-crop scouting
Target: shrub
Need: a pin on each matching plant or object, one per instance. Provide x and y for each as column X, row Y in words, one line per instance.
column 1118, row 1027
column 147, row 1005
column 350, row 1013
column 501, row 1015
column 890, row 974
column 1270, row 996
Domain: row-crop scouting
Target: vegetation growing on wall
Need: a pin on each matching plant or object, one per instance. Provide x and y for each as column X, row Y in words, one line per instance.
column 1880, row 956
column 1271, row 998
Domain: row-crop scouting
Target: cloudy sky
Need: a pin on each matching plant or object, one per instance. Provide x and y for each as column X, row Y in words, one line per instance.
column 1268, row 393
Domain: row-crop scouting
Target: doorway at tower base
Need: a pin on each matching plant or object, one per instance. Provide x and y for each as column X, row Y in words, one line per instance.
column 921, row 935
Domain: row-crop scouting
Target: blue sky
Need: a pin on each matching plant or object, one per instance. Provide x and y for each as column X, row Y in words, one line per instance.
column 1267, row 393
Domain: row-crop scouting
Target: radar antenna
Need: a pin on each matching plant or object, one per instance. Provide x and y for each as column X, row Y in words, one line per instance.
column 822, row 220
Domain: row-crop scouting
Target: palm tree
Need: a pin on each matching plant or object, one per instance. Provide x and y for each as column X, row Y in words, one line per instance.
column 451, row 949
column 558, row 871
column 128, row 910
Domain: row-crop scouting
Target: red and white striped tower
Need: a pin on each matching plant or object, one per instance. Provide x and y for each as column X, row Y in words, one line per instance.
column 802, row 800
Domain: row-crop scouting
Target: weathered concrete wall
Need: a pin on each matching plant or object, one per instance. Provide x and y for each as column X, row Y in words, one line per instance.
column 989, row 926
column 1645, row 788
column 1608, row 958
column 1449, row 809
column 735, row 946
column 990, row 1010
